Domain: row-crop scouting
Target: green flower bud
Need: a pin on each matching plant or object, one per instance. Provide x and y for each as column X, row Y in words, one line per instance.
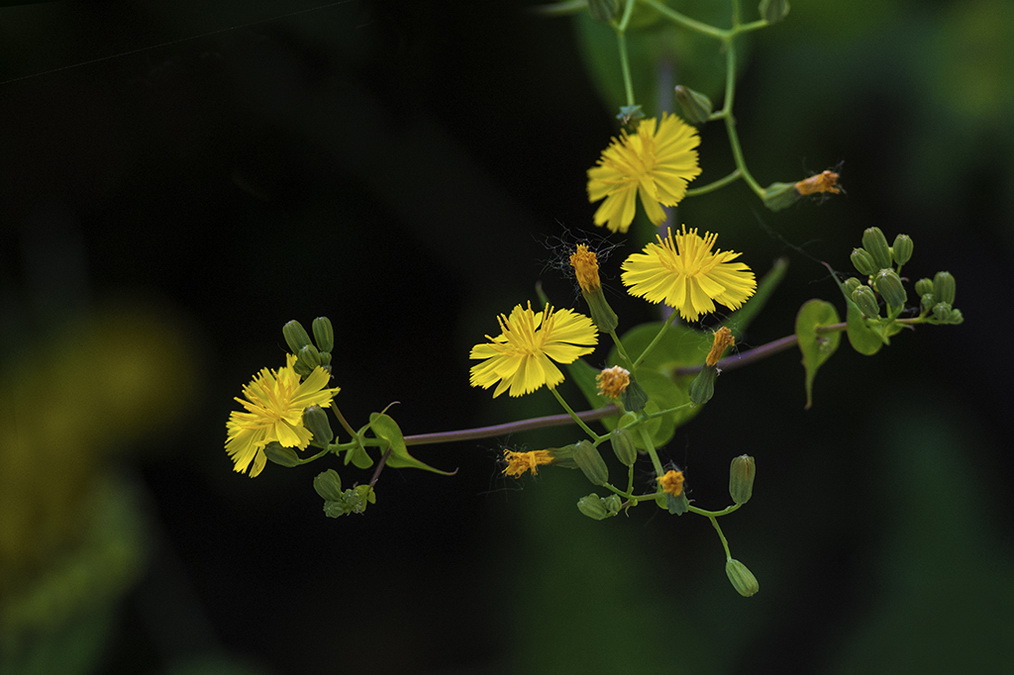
column 597, row 508
column 742, row 471
column 695, row 106
column 316, row 422
column 589, row 460
column 295, row 336
column 863, row 261
column 944, row 287
column 924, row 286
column 926, row 302
column 773, row 11
column 281, row 455
column 778, row 196
column 602, row 315
column 633, row 397
column 358, row 497
column 328, row 485
column 891, row 289
column 851, row 284
column 623, row 446
column 902, row 249
column 309, row 356
column 867, row 302
column 323, row 334
column 941, row 311
column 604, row 10
column 875, row 243
column 956, row 317
column 741, row 577
column 703, row 386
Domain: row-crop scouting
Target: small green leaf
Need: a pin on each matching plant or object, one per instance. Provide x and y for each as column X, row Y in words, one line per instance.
column 816, row 347
column 388, row 430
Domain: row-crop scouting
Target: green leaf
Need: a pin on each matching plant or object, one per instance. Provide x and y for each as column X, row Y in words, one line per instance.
column 359, row 457
column 388, row 430
column 816, row 347
column 742, row 317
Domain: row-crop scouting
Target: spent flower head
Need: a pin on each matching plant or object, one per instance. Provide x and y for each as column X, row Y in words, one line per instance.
column 682, row 271
column 518, row 463
column 520, row 359
column 723, row 339
column 612, row 382
column 672, row 482
column 586, row 268
column 273, row 404
column 656, row 163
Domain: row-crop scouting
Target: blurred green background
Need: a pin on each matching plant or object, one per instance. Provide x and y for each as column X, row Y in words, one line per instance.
column 180, row 179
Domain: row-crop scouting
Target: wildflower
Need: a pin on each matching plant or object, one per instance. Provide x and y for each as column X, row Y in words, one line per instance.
column 613, row 381
column 682, row 271
column 656, row 163
column 520, row 462
column 274, row 404
column 723, row 339
column 521, row 357
column 825, row 181
column 586, row 269
column 672, row 482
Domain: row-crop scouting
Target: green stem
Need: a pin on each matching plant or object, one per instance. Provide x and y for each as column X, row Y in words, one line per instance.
column 574, row 415
column 714, row 185
column 650, row 447
column 730, row 120
column 714, row 514
column 725, row 543
column 508, row 428
column 307, row 460
column 342, row 421
column 651, row 345
column 621, row 43
column 622, row 352
column 687, row 22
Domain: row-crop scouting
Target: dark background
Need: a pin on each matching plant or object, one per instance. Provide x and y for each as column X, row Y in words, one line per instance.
column 179, row 179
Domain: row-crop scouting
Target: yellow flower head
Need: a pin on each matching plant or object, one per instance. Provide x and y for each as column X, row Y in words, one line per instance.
column 520, row 462
column 613, row 381
column 672, row 482
column 682, row 271
column 586, row 268
column 274, row 404
column 656, row 163
column 723, row 339
column 521, row 357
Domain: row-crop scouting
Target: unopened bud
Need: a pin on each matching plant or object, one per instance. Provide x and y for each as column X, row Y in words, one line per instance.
column 741, row 577
column 695, row 106
column 867, row 302
column 589, row 460
column 875, row 243
column 622, row 442
column 328, row 485
column 926, row 302
column 851, row 284
column 955, row 317
column 597, row 508
column 941, row 311
column 316, row 422
column 944, row 287
column 703, row 386
column 633, row 397
column 309, row 356
column 778, row 196
column 924, row 286
column 295, row 336
column 629, row 114
column 281, row 455
column 323, row 334
column 891, row 289
column 863, row 261
column 902, row 249
column 773, row 11
column 742, row 471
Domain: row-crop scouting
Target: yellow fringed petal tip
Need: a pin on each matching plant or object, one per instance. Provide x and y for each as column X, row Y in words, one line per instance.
column 682, row 271
column 520, row 359
column 518, row 463
column 656, row 163
column 273, row 405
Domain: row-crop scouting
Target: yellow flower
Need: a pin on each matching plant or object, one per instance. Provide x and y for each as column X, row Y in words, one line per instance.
column 672, row 482
column 682, row 272
column 655, row 164
column 612, row 382
column 520, row 462
column 274, row 404
column 521, row 357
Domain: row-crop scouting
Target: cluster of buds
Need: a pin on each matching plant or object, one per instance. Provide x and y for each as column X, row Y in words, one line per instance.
column 310, row 355
column 881, row 264
column 338, row 502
